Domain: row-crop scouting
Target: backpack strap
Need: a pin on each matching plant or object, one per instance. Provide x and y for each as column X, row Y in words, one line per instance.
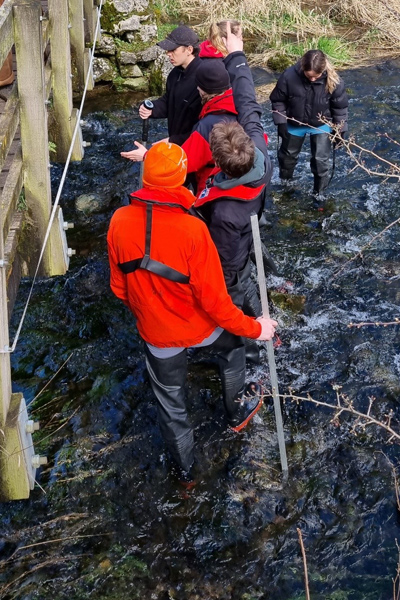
column 147, row 263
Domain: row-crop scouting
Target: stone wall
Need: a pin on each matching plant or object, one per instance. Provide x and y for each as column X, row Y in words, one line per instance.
column 127, row 54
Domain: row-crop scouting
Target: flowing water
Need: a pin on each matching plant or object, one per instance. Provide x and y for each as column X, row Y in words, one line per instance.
column 109, row 521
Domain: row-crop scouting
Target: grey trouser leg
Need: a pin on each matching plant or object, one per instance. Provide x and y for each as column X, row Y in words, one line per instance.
column 288, row 154
column 232, row 369
column 168, row 381
column 320, row 154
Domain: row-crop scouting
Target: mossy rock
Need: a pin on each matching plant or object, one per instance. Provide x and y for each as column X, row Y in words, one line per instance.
column 292, row 302
column 109, row 17
column 156, row 83
column 279, row 62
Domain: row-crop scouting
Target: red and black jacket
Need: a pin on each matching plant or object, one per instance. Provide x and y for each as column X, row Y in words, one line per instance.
column 197, row 148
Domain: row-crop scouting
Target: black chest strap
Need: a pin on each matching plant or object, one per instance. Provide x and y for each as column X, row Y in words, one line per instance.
column 147, row 263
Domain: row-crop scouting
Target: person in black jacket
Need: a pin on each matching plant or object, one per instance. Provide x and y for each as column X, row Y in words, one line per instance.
column 238, row 185
column 181, row 103
column 304, row 93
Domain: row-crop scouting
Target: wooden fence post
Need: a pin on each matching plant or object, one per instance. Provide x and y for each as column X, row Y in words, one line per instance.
column 77, row 35
column 5, row 368
column 33, row 117
column 62, row 85
column 34, row 133
column 90, row 13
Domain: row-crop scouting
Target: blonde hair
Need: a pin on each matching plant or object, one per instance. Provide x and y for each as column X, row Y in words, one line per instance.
column 317, row 61
column 218, row 31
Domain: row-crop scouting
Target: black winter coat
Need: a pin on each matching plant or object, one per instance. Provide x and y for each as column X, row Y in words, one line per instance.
column 181, row 103
column 227, row 212
column 296, row 96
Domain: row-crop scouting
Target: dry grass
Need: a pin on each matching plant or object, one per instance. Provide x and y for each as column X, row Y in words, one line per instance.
column 368, row 28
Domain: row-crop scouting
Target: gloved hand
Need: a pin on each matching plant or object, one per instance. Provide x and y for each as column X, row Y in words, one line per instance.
column 282, row 130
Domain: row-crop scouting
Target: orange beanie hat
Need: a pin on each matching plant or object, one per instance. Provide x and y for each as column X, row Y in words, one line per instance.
column 165, row 165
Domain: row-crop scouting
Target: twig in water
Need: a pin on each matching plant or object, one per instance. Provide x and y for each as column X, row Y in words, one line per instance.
column 345, row 405
column 375, row 324
column 303, row 553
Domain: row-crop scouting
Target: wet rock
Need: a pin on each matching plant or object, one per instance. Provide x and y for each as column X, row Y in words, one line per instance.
column 91, row 203
column 292, row 302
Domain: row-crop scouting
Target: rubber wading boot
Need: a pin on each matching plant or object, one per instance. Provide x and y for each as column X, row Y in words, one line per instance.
column 185, row 478
column 251, row 403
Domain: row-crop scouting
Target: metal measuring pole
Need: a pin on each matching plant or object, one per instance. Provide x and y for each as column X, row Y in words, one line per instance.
column 145, row 136
column 270, row 346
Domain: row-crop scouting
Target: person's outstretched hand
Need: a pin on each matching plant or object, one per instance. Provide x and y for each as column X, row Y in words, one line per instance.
column 233, row 42
column 135, row 155
column 268, row 327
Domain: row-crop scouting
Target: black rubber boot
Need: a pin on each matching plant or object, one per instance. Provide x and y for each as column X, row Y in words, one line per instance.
column 168, row 380
column 320, row 154
column 288, row 154
column 251, row 404
column 252, row 351
column 232, row 369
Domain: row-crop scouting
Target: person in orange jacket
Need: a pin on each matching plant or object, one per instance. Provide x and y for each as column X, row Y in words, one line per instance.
column 166, row 269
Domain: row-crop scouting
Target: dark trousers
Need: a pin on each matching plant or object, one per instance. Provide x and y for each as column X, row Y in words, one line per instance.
column 168, row 380
column 289, row 151
column 244, row 295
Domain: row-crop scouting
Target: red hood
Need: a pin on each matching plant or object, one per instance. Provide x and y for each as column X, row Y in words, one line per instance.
column 179, row 197
column 207, row 50
column 243, row 193
column 221, row 103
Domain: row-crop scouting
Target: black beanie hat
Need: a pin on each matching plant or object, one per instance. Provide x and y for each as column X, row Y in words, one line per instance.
column 212, row 77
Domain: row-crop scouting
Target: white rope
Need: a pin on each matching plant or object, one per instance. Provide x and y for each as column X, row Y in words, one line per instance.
column 11, row 349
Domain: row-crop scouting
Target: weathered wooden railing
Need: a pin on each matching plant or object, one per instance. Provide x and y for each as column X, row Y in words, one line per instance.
column 51, row 57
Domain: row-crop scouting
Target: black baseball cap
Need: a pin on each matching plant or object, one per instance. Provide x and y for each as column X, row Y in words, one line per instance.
column 181, row 36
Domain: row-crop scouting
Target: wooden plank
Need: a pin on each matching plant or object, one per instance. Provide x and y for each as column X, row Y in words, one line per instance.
column 14, row 260
column 77, row 36
column 5, row 368
column 6, row 30
column 91, row 14
column 33, row 121
column 61, row 77
column 17, row 473
column 11, row 192
column 9, row 121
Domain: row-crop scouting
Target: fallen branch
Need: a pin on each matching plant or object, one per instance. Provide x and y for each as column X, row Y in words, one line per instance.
column 345, row 405
column 303, row 553
column 376, row 324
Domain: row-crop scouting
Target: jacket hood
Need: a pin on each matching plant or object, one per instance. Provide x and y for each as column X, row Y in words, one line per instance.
column 179, row 197
column 256, row 173
column 221, row 103
column 207, row 50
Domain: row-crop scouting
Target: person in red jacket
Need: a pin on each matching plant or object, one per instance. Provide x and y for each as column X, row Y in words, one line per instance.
column 214, row 46
column 212, row 81
column 166, row 269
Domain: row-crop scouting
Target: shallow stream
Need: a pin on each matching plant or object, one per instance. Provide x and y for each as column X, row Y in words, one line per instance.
column 108, row 521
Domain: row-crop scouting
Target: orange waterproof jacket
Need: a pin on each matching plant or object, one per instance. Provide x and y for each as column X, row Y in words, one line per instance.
column 171, row 314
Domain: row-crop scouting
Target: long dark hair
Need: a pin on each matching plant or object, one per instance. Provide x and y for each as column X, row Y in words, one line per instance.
column 317, row 61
